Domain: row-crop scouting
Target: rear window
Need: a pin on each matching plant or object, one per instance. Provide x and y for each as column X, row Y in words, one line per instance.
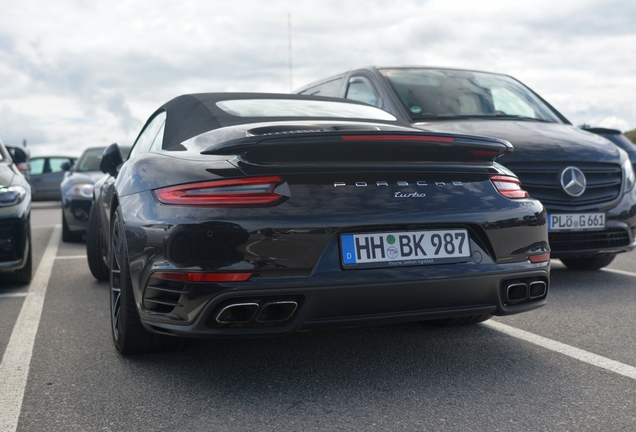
column 301, row 108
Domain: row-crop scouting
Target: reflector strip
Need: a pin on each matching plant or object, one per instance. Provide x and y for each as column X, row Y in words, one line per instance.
column 539, row 258
column 203, row 277
column 396, row 138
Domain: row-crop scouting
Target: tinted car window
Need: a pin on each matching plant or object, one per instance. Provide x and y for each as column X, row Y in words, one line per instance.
column 157, row 143
column 37, row 166
column 147, row 137
column 329, row 88
column 90, row 160
column 361, row 91
column 427, row 93
column 55, row 164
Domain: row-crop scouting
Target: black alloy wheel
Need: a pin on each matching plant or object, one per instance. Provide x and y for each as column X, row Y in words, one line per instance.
column 129, row 335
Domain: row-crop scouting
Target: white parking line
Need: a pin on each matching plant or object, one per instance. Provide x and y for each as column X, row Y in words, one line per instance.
column 14, row 368
column 570, row 351
column 623, row 272
column 65, row 257
column 20, row 294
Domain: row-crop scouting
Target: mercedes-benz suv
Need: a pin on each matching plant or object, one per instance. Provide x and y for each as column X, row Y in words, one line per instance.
column 585, row 182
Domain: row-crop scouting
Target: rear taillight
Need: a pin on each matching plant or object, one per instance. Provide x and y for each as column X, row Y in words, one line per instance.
column 245, row 192
column 203, row 277
column 510, row 187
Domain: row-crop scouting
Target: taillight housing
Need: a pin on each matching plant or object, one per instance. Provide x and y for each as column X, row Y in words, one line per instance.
column 242, row 192
column 203, row 277
column 508, row 186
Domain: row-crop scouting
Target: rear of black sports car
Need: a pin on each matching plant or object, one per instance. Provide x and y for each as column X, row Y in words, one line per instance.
column 272, row 228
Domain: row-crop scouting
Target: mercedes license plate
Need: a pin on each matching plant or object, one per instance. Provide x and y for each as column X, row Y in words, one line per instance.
column 405, row 248
column 576, row 221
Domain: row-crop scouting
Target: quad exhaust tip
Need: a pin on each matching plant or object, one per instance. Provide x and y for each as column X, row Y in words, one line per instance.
column 520, row 291
column 267, row 312
column 517, row 292
column 277, row 311
column 537, row 289
column 237, row 313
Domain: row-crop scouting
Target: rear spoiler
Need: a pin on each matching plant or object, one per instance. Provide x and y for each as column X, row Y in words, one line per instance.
column 368, row 147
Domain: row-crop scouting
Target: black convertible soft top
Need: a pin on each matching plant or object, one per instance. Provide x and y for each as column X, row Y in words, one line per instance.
column 193, row 114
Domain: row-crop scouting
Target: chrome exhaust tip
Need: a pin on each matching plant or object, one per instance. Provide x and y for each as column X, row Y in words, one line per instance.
column 277, row 311
column 516, row 292
column 237, row 313
column 537, row 289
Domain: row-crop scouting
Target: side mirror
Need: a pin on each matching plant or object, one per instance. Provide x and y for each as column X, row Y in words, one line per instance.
column 66, row 166
column 111, row 160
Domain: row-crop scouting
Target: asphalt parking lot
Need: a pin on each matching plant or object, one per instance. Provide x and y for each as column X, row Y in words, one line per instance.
column 568, row 366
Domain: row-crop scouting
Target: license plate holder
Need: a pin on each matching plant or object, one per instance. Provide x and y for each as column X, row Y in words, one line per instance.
column 576, row 222
column 405, row 248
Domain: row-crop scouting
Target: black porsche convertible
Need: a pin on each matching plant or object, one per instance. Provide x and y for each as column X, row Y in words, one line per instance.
column 260, row 214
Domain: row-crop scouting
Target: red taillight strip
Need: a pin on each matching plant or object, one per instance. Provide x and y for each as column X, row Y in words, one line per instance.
column 396, row 138
column 485, row 153
column 216, row 192
column 510, row 187
column 539, row 258
column 203, row 277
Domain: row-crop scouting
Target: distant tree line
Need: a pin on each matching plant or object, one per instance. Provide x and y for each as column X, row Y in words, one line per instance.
column 631, row 135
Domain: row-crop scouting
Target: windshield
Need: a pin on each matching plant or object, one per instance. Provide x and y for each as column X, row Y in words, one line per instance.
column 439, row 94
column 90, row 160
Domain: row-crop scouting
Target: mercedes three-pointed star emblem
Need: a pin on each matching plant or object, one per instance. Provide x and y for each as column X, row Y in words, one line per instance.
column 573, row 181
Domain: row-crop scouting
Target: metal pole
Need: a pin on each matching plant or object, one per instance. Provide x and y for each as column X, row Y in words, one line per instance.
column 291, row 87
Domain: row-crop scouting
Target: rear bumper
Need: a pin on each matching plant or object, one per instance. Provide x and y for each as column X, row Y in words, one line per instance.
column 351, row 305
column 617, row 238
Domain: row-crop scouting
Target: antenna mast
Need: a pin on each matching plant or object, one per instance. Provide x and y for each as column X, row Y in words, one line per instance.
column 289, row 37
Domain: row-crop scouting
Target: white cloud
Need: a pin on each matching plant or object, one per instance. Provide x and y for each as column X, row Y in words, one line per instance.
column 83, row 73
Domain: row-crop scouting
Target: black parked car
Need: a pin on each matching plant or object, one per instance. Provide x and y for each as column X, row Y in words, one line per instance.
column 45, row 175
column 261, row 214
column 585, row 182
column 15, row 222
column 617, row 137
column 77, row 191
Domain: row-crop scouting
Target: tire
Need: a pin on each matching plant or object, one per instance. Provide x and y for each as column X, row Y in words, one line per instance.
column 95, row 248
column 589, row 263
column 129, row 335
column 68, row 236
column 25, row 274
column 453, row 322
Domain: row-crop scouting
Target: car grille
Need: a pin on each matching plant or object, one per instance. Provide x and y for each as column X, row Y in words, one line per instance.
column 583, row 240
column 542, row 180
column 11, row 240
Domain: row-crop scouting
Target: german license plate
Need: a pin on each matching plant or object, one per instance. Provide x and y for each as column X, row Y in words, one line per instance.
column 405, row 248
column 576, row 221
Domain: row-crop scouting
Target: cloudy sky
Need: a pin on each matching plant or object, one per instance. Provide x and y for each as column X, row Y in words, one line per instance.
column 81, row 73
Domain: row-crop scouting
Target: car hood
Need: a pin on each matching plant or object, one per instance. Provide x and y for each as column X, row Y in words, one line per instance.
column 535, row 141
column 82, row 177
